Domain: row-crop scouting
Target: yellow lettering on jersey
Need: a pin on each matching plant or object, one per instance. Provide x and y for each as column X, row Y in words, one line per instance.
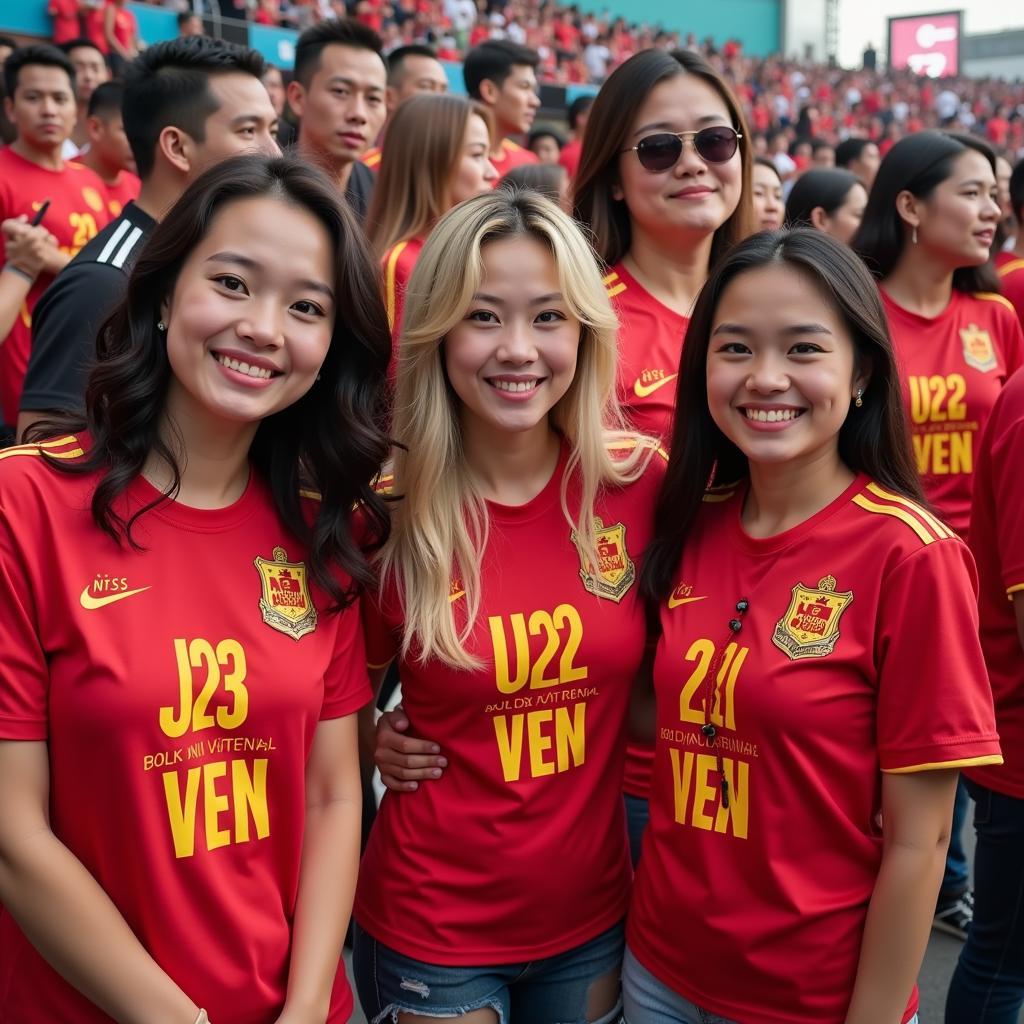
column 566, row 741
column 246, row 801
column 945, row 453
column 691, row 697
column 697, row 792
column 223, row 668
column 563, row 633
column 938, row 399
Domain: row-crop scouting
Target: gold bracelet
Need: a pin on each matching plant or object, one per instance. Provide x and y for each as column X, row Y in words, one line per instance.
column 202, row 1018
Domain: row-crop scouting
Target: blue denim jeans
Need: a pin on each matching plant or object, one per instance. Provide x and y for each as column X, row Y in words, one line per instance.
column 549, row 991
column 988, row 983
column 646, row 1000
column 955, row 879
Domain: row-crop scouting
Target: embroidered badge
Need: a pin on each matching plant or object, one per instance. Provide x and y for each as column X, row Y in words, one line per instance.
column 979, row 351
column 285, row 602
column 615, row 569
column 810, row 627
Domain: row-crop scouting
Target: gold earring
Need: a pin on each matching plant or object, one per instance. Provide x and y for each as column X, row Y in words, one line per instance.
column 913, row 235
column 859, row 400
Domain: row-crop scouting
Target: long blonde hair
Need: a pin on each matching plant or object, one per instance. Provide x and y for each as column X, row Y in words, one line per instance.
column 421, row 156
column 440, row 521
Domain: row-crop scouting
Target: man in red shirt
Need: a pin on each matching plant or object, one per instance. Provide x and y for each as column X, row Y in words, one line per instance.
column 503, row 76
column 90, row 71
column 40, row 85
column 338, row 94
column 579, row 111
column 109, row 153
column 1010, row 264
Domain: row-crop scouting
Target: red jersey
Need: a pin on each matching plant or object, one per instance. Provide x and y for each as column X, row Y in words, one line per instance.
column 511, row 154
column 650, row 344
column 77, row 211
column 520, row 851
column 398, row 263
column 997, row 540
column 178, row 689
column 122, row 192
column 569, row 157
column 66, row 24
column 953, row 367
column 94, row 23
column 756, row 910
column 372, row 158
column 125, row 28
column 1010, row 268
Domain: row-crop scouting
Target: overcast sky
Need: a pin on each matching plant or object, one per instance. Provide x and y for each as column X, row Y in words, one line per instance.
column 863, row 21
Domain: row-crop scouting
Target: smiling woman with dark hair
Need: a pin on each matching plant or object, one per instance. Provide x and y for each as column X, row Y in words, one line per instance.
column 183, row 659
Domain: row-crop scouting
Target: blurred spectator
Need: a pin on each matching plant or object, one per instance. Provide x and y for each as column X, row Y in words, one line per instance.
column 546, row 145
column 502, row 76
column 823, row 154
column 67, row 20
column 94, row 24
column 122, row 31
column 579, row 111
column 830, row 200
column 109, row 153
column 1010, row 263
column 338, row 95
column 90, row 71
column 861, row 156
column 1007, row 223
column 189, row 24
column 766, row 192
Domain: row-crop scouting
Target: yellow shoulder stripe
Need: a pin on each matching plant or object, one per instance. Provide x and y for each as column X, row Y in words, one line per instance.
column 937, row 525
column 930, row 766
column 713, row 496
column 993, row 297
column 389, row 280
column 1009, row 268
column 312, row 495
column 1015, row 589
column 897, row 513
column 616, row 290
column 609, row 278
column 37, row 449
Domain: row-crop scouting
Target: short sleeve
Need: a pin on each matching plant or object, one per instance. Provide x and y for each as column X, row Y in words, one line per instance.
column 64, row 326
column 934, row 700
column 24, row 676
column 381, row 641
column 346, row 684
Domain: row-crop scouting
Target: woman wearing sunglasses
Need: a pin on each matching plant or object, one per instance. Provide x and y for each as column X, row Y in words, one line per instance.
column 663, row 184
column 662, row 174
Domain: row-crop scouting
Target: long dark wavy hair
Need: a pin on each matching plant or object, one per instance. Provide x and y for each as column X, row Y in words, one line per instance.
column 331, row 440
column 874, row 439
column 611, row 117
column 917, row 164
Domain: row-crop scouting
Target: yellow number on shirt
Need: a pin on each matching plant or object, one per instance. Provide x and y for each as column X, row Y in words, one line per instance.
column 192, row 711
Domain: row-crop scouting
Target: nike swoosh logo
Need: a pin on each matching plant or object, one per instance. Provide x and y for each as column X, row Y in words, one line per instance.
column 675, row 602
column 643, row 390
column 89, row 602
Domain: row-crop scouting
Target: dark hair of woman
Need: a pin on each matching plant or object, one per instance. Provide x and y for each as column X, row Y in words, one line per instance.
column 917, row 164
column 611, row 118
column 824, row 187
column 331, row 440
column 874, row 439
column 763, row 161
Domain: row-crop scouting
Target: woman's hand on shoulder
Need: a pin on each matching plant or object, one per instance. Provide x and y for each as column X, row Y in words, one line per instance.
column 403, row 760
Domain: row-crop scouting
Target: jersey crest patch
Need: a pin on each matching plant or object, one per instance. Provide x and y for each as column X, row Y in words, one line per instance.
column 616, row 572
column 979, row 352
column 810, row 626
column 285, row 601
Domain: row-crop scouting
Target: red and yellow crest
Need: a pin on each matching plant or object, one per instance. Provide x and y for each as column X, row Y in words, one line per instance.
column 285, row 602
column 979, row 351
column 615, row 569
column 810, row 627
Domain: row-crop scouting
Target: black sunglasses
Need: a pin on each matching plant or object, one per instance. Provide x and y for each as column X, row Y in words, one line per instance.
column 716, row 145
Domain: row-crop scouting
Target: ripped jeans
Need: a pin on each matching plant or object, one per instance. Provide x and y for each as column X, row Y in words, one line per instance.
column 549, row 991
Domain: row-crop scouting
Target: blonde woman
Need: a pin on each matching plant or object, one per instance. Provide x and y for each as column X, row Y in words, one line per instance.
column 508, row 594
column 436, row 155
